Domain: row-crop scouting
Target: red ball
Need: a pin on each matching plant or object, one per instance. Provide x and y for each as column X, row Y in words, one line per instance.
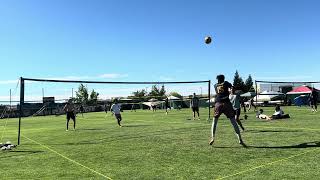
column 207, row 40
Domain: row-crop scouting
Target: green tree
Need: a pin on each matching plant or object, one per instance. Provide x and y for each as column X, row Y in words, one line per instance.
column 82, row 95
column 93, row 97
column 176, row 94
column 139, row 93
column 157, row 93
column 162, row 91
column 249, row 84
column 238, row 83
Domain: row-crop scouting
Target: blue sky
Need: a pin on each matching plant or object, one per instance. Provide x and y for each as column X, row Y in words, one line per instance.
column 158, row 40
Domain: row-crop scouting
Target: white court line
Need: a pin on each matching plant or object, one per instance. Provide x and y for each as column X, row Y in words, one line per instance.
column 267, row 164
column 71, row 160
column 273, row 162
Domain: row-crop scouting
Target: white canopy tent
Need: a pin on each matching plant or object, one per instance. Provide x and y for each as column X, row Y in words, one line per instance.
column 173, row 98
column 268, row 96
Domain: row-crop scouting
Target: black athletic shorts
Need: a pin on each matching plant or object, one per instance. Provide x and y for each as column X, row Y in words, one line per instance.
column 223, row 108
column 195, row 109
column 70, row 115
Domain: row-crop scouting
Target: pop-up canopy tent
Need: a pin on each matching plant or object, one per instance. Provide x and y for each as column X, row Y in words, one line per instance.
column 269, row 96
column 173, row 98
column 299, row 91
column 301, row 100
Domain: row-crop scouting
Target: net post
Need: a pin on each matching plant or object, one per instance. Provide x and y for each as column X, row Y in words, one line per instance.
column 209, row 95
column 256, row 92
column 20, row 107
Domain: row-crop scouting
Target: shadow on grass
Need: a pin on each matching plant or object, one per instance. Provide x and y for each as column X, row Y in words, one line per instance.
column 298, row 146
column 16, row 153
column 91, row 129
column 135, row 125
column 271, row 131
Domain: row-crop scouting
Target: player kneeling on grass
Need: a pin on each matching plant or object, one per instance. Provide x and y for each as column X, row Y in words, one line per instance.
column 69, row 109
column 223, row 105
column 116, row 111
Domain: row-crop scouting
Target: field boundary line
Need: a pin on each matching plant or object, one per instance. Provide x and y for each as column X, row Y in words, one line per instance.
column 267, row 164
column 65, row 157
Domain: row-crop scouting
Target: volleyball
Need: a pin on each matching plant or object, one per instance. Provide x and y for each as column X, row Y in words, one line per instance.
column 207, row 40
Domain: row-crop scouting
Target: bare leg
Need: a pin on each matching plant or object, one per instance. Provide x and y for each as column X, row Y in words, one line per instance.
column 213, row 129
column 237, row 130
column 68, row 124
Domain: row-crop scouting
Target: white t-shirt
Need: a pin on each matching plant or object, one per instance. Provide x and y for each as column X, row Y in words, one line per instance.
column 276, row 113
column 116, row 108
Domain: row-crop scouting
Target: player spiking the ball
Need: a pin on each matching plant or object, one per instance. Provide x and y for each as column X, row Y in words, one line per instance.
column 116, row 111
column 223, row 105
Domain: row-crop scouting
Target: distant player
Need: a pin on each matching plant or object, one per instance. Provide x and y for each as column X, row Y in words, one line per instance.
column 223, row 105
column 116, row 111
column 81, row 109
column 235, row 101
column 106, row 108
column 251, row 104
column 154, row 107
column 133, row 108
column 69, row 109
column 314, row 100
column 194, row 104
column 167, row 106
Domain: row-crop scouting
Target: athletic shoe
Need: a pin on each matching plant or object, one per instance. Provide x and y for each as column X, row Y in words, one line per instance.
column 242, row 143
column 67, row 130
column 211, row 142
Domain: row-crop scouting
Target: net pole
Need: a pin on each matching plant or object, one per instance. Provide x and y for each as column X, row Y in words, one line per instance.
column 209, row 95
column 256, row 93
column 20, row 107
column 9, row 114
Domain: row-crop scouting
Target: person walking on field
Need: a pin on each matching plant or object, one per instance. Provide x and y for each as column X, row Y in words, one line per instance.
column 223, row 105
column 116, row 111
column 69, row 109
column 235, row 101
column 314, row 100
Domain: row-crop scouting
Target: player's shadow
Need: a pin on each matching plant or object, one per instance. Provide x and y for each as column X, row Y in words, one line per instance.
column 92, row 129
column 271, row 131
column 297, row 146
column 14, row 153
column 136, row 125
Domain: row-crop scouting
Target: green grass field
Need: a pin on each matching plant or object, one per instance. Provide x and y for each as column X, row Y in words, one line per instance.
column 159, row 146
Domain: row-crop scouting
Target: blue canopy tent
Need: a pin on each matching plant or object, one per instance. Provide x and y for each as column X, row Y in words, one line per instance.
column 301, row 100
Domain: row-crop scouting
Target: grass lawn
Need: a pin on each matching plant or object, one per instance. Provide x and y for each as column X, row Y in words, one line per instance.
column 158, row 146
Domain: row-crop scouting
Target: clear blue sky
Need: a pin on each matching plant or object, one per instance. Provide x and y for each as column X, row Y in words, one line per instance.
column 158, row 40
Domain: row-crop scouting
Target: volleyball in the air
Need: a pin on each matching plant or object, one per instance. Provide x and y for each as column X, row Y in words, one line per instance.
column 207, row 40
